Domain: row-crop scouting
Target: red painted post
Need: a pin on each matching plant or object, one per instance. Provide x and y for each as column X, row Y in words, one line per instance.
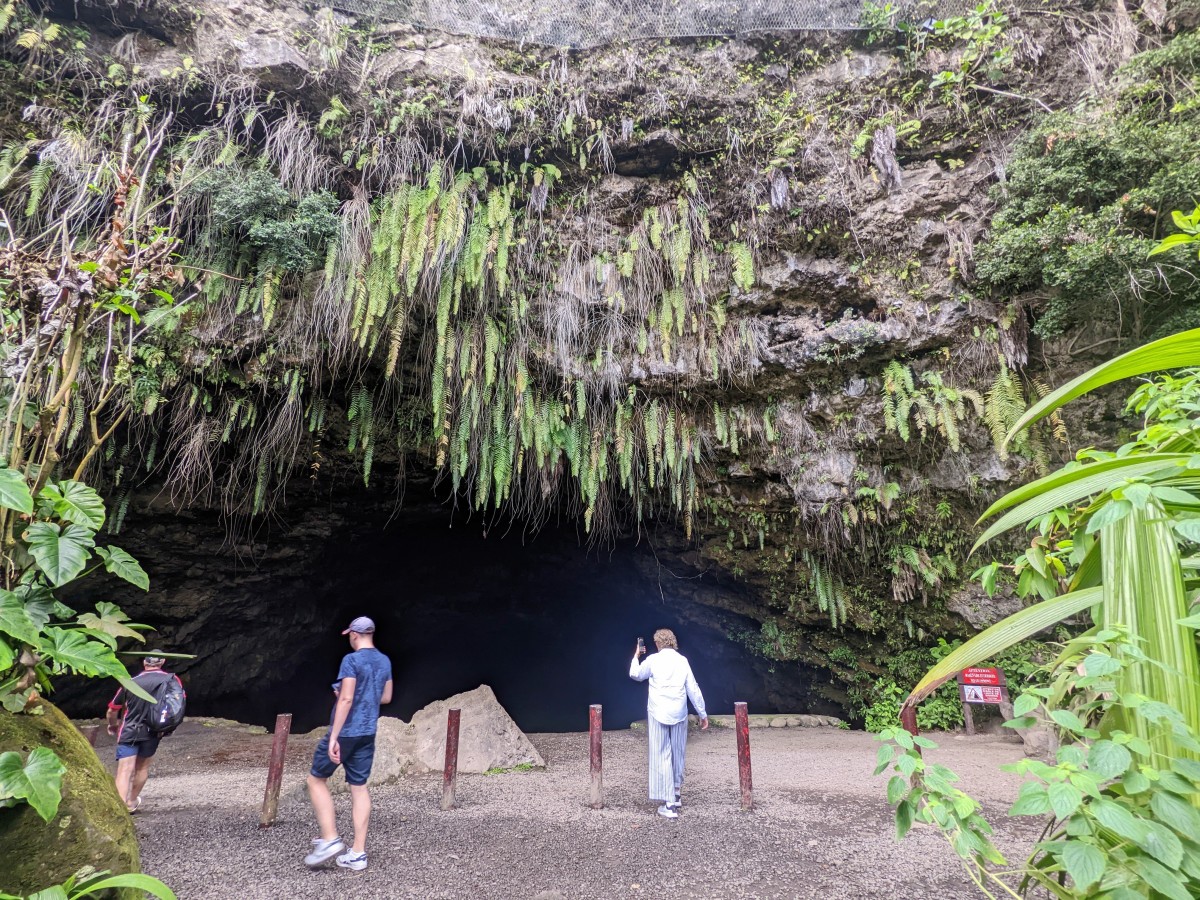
column 595, row 731
column 283, row 727
column 743, row 744
column 450, row 774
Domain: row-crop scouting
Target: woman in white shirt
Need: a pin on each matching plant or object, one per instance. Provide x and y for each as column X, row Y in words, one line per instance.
column 672, row 684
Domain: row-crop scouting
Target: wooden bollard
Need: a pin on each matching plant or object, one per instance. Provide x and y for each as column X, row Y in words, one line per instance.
column 595, row 732
column 283, row 727
column 450, row 774
column 742, row 724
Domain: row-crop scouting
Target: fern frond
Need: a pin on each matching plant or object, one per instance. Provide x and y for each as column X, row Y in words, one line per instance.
column 39, row 181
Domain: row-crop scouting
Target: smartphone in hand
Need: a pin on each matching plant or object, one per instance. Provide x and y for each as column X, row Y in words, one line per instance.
column 641, row 646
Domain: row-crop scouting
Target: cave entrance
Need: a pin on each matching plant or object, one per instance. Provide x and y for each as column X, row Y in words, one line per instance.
column 548, row 623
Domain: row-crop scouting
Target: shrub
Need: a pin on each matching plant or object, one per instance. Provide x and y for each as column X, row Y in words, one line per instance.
column 1087, row 196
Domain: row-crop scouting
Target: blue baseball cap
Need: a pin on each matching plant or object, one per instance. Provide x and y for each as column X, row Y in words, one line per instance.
column 361, row 625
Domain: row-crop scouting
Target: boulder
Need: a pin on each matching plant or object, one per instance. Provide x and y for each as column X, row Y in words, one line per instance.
column 395, row 756
column 92, row 826
column 488, row 739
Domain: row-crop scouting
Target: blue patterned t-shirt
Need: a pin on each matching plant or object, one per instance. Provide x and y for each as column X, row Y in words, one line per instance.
column 371, row 670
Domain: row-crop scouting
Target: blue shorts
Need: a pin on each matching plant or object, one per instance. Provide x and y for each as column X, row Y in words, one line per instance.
column 141, row 749
column 358, row 753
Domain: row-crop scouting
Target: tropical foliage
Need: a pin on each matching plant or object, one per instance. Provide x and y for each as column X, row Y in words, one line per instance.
column 39, row 636
column 98, row 884
column 1121, row 818
column 878, row 699
column 1085, row 201
column 1118, row 521
column 1112, row 532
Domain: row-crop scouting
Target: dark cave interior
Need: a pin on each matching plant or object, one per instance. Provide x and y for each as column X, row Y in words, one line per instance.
column 547, row 621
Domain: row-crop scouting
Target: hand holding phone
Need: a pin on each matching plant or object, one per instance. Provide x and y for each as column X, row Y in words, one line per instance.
column 641, row 647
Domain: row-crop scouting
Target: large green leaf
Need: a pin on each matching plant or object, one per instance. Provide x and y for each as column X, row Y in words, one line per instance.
column 40, row 604
column 14, row 492
column 1172, row 352
column 124, row 566
column 15, row 620
column 81, row 654
column 1143, row 591
column 1176, row 813
column 132, row 687
column 37, row 780
column 132, row 880
column 1067, row 486
column 74, row 501
column 7, row 655
column 1001, row 636
column 61, row 553
column 1084, row 863
column 110, row 620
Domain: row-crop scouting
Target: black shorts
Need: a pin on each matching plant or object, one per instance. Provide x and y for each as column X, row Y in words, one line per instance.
column 141, row 749
column 358, row 753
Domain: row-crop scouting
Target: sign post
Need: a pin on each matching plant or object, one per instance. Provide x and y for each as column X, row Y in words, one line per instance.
column 979, row 685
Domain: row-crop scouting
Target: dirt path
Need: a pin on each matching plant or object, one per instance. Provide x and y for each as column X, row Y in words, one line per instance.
column 821, row 827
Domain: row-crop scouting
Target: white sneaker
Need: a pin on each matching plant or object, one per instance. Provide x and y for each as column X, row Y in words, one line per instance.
column 352, row 860
column 667, row 813
column 324, row 851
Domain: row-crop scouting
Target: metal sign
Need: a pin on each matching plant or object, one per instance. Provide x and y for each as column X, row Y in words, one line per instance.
column 982, row 685
column 978, row 675
column 980, row 693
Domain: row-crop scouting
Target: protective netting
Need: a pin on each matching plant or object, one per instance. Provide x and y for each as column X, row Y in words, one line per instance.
column 590, row 23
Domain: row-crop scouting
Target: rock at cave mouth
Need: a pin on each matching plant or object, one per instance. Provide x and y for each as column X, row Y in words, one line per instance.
column 91, row 828
column 489, row 740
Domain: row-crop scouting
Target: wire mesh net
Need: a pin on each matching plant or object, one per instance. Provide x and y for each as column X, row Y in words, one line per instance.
column 590, row 23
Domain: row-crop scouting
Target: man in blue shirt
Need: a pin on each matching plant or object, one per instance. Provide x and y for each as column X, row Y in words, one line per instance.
column 364, row 682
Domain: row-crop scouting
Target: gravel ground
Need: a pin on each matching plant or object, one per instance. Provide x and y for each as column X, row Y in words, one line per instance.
column 820, row 826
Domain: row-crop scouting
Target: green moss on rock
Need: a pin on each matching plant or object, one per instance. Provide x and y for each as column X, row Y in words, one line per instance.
column 92, row 827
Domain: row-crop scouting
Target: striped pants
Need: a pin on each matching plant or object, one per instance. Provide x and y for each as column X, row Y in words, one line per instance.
column 668, row 747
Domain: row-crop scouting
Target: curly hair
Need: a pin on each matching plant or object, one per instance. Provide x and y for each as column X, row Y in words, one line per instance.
column 665, row 637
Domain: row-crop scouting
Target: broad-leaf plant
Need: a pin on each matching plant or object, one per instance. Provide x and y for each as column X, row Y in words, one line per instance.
column 1113, row 535
column 73, row 309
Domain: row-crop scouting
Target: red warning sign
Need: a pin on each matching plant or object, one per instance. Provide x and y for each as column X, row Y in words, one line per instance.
column 981, row 676
column 982, row 693
column 982, row 685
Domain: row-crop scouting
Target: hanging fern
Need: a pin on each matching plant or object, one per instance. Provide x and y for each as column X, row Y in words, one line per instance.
column 743, row 265
column 39, row 181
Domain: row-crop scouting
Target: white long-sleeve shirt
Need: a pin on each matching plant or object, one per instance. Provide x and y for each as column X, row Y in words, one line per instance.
column 672, row 685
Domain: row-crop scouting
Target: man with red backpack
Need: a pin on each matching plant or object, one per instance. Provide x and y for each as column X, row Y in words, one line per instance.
column 143, row 724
